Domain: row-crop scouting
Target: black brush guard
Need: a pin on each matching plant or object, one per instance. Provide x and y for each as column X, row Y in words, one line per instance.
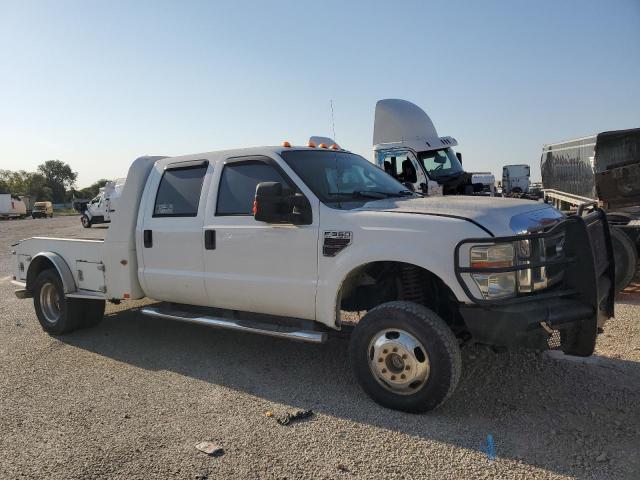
column 574, row 308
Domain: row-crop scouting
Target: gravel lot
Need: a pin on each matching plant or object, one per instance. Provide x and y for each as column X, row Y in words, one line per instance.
column 131, row 398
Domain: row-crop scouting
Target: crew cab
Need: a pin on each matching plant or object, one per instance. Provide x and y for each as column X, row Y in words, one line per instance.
column 281, row 240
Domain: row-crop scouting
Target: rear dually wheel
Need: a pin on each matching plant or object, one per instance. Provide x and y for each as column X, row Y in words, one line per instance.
column 57, row 314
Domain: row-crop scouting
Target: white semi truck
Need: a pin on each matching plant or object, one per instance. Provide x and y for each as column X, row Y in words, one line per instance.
column 286, row 238
column 516, row 179
column 407, row 146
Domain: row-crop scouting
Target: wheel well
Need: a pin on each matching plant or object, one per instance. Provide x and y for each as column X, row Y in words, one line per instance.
column 38, row 265
column 379, row 282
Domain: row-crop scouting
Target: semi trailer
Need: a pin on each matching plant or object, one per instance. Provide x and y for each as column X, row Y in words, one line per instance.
column 601, row 169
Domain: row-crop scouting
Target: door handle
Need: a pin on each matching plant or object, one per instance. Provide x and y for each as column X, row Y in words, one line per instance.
column 210, row 239
column 148, row 238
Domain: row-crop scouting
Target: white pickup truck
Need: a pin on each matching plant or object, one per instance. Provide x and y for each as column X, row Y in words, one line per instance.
column 298, row 235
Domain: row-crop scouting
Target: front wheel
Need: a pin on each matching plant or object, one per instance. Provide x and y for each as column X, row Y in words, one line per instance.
column 625, row 258
column 86, row 221
column 405, row 357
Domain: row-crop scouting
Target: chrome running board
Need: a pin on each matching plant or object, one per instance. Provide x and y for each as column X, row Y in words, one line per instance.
column 291, row 333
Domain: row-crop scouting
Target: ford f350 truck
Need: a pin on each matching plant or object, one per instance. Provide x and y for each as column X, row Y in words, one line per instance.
column 298, row 235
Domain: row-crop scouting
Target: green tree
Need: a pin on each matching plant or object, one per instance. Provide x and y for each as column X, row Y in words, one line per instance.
column 59, row 177
column 92, row 190
column 25, row 183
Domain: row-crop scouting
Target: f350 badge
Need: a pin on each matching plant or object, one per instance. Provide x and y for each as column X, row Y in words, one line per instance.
column 335, row 241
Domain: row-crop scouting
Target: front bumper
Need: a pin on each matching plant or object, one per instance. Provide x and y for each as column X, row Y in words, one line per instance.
column 540, row 325
column 566, row 316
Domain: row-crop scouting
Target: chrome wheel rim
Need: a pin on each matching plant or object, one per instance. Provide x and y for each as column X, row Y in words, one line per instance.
column 398, row 361
column 50, row 302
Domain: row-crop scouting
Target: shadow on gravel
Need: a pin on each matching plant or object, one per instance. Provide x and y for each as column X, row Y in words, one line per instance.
column 540, row 409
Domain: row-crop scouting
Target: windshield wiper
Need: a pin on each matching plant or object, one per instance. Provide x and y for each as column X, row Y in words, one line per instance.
column 363, row 194
column 370, row 194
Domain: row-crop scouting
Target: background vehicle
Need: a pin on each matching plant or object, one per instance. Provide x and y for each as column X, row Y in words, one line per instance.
column 515, row 179
column 28, row 201
column 280, row 240
column 42, row 210
column 605, row 169
column 487, row 180
column 101, row 208
column 407, row 146
column 11, row 206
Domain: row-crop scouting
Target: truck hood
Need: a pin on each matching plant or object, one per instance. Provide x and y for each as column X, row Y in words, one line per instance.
column 501, row 216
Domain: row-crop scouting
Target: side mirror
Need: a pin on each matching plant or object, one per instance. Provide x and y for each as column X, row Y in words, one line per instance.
column 273, row 205
column 459, row 155
column 268, row 203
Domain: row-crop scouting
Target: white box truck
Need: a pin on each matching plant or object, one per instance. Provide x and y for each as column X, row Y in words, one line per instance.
column 11, row 206
column 296, row 235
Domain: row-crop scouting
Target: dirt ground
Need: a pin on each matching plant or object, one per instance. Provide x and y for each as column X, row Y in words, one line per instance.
column 133, row 396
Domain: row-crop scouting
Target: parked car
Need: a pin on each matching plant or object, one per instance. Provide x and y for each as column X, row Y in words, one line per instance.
column 297, row 235
column 42, row 210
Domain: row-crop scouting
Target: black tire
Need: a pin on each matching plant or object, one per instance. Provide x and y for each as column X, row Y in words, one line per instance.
column 86, row 221
column 619, row 218
column 441, row 349
column 68, row 310
column 625, row 256
column 92, row 313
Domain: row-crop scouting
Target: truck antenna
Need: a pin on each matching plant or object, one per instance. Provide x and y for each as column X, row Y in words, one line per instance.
column 333, row 122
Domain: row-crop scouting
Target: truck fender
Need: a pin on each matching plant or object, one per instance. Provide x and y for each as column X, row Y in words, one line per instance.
column 41, row 261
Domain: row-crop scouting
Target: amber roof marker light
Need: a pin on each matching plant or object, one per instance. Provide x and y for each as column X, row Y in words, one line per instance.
column 286, row 144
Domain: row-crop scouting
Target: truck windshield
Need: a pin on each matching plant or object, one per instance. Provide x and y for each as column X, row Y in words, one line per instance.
column 341, row 179
column 440, row 164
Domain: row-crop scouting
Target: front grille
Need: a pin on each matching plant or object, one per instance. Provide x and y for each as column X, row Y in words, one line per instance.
column 541, row 250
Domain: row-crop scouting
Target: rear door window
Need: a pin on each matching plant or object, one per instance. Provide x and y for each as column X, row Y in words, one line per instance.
column 179, row 191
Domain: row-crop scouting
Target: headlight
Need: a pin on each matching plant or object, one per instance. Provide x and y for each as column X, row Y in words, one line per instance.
column 499, row 284
column 503, row 270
